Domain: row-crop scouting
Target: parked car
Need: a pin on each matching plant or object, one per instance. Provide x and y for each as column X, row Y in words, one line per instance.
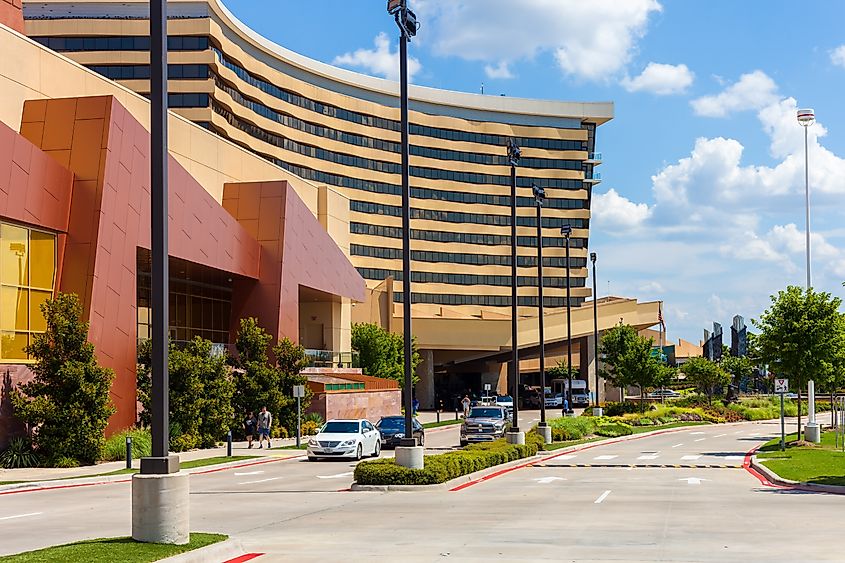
column 555, row 400
column 392, row 429
column 484, row 424
column 506, row 402
column 345, row 439
column 664, row 393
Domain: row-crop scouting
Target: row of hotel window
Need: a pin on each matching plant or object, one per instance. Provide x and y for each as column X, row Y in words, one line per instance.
column 464, row 258
column 457, row 217
column 470, row 279
column 383, row 166
column 195, row 43
column 486, row 300
column 27, row 279
column 371, row 142
column 464, row 238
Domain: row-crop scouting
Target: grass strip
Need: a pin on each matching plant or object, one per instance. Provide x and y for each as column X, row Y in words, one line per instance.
column 442, row 423
column 820, row 463
column 107, row 550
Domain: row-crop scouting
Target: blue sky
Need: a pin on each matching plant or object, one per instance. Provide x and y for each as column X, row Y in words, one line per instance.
column 701, row 203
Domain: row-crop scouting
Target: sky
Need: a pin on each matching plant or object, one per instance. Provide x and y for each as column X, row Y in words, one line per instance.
column 701, row 203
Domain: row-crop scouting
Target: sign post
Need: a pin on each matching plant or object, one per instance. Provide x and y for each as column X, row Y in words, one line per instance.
column 781, row 387
column 298, row 392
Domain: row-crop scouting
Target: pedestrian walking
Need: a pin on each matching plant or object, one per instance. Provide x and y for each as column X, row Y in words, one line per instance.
column 416, row 406
column 265, row 423
column 466, row 404
column 249, row 427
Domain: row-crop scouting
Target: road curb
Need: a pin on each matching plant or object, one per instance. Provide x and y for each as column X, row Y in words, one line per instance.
column 221, row 551
column 776, row 479
column 448, row 485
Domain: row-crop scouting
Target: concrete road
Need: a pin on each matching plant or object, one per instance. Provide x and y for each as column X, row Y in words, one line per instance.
column 624, row 501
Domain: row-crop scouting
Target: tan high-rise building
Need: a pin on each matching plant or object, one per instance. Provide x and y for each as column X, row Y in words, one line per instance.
column 333, row 135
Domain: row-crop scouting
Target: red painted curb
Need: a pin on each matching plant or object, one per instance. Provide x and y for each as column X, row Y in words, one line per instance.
column 244, row 557
column 553, row 456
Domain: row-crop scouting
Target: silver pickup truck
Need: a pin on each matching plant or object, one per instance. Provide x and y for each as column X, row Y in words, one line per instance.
column 484, row 424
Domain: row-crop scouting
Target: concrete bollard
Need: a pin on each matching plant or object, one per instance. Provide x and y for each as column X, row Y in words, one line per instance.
column 160, row 508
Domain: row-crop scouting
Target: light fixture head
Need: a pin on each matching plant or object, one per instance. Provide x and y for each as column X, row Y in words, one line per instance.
column 539, row 194
column 806, row 116
column 514, row 153
column 566, row 230
column 593, row 257
column 394, row 6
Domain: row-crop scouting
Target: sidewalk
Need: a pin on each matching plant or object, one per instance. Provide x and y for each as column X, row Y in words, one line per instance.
column 54, row 473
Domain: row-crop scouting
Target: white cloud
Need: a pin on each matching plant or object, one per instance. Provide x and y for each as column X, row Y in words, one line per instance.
column 380, row 61
column 612, row 211
column 660, row 79
column 500, row 71
column 753, row 91
column 837, row 56
column 591, row 40
column 651, row 287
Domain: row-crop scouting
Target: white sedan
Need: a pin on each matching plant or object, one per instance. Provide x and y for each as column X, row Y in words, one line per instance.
column 345, row 439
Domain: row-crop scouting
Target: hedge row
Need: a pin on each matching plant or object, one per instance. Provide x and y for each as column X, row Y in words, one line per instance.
column 444, row 467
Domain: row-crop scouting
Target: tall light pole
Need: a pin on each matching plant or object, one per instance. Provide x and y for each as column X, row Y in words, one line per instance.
column 597, row 406
column 566, row 231
column 160, row 493
column 409, row 455
column 514, row 154
column 540, row 198
column 806, row 117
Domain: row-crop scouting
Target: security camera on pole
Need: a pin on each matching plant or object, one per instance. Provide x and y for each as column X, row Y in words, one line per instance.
column 408, row 453
column 812, row 430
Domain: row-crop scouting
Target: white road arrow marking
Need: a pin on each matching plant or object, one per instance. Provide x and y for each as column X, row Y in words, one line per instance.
column 690, row 457
column 248, row 473
column 21, row 515
column 601, row 498
column 547, row 480
column 338, row 476
column 693, row 480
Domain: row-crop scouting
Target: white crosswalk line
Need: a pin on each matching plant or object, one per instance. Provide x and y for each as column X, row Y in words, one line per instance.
column 601, row 498
column 735, row 458
column 649, row 456
column 719, row 435
column 677, row 445
column 20, row 515
column 699, row 439
column 690, row 457
column 605, row 457
column 259, row 481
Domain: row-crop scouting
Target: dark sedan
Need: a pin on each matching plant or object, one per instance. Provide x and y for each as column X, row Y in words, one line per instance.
column 392, row 430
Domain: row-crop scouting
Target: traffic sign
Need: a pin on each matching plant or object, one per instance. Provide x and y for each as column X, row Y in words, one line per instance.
column 781, row 385
column 487, row 386
column 299, row 390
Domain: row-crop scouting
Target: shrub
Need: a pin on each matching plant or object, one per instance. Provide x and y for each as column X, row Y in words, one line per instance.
column 279, row 432
column 444, row 467
column 18, row 454
column 68, row 400
column 314, row 417
column 618, row 409
column 64, row 462
column 309, row 428
column 613, row 429
column 115, row 448
column 565, row 429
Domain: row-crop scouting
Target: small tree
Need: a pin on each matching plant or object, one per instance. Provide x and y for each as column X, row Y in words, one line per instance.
column 628, row 359
column 201, row 390
column 68, row 400
column 290, row 361
column 740, row 368
column 802, row 336
column 707, row 376
column 382, row 353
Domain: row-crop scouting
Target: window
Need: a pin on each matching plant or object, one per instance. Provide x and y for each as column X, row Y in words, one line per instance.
column 122, row 43
column 27, row 279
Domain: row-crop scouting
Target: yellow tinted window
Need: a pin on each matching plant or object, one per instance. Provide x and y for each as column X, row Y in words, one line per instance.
column 14, row 250
column 14, row 308
column 37, row 322
column 42, row 259
column 12, row 345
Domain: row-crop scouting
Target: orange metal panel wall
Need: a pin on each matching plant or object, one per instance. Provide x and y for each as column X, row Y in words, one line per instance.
column 11, row 14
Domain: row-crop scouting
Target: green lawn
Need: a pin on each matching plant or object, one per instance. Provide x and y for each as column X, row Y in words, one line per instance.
column 303, row 445
column 822, row 464
column 183, row 465
column 108, row 550
column 641, row 429
column 442, row 423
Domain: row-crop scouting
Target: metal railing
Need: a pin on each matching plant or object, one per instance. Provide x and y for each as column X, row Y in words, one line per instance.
column 595, row 156
column 330, row 358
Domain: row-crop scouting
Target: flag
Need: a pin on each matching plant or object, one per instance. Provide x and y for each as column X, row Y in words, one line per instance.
column 660, row 316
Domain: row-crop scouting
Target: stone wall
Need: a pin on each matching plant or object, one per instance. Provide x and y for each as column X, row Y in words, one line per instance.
column 371, row 405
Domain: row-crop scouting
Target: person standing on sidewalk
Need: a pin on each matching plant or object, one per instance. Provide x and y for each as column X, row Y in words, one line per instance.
column 265, row 422
column 249, row 427
column 466, row 404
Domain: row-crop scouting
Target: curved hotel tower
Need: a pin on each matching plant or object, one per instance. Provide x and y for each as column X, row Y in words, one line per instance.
column 339, row 128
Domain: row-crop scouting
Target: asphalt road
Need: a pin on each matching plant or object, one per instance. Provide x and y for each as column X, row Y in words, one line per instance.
column 624, row 501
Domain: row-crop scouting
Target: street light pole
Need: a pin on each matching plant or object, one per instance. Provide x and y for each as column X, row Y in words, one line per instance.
column 566, row 231
column 540, row 197
column 806, row 117
column 514, row 154
column 410, row 455
column 597, row 405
